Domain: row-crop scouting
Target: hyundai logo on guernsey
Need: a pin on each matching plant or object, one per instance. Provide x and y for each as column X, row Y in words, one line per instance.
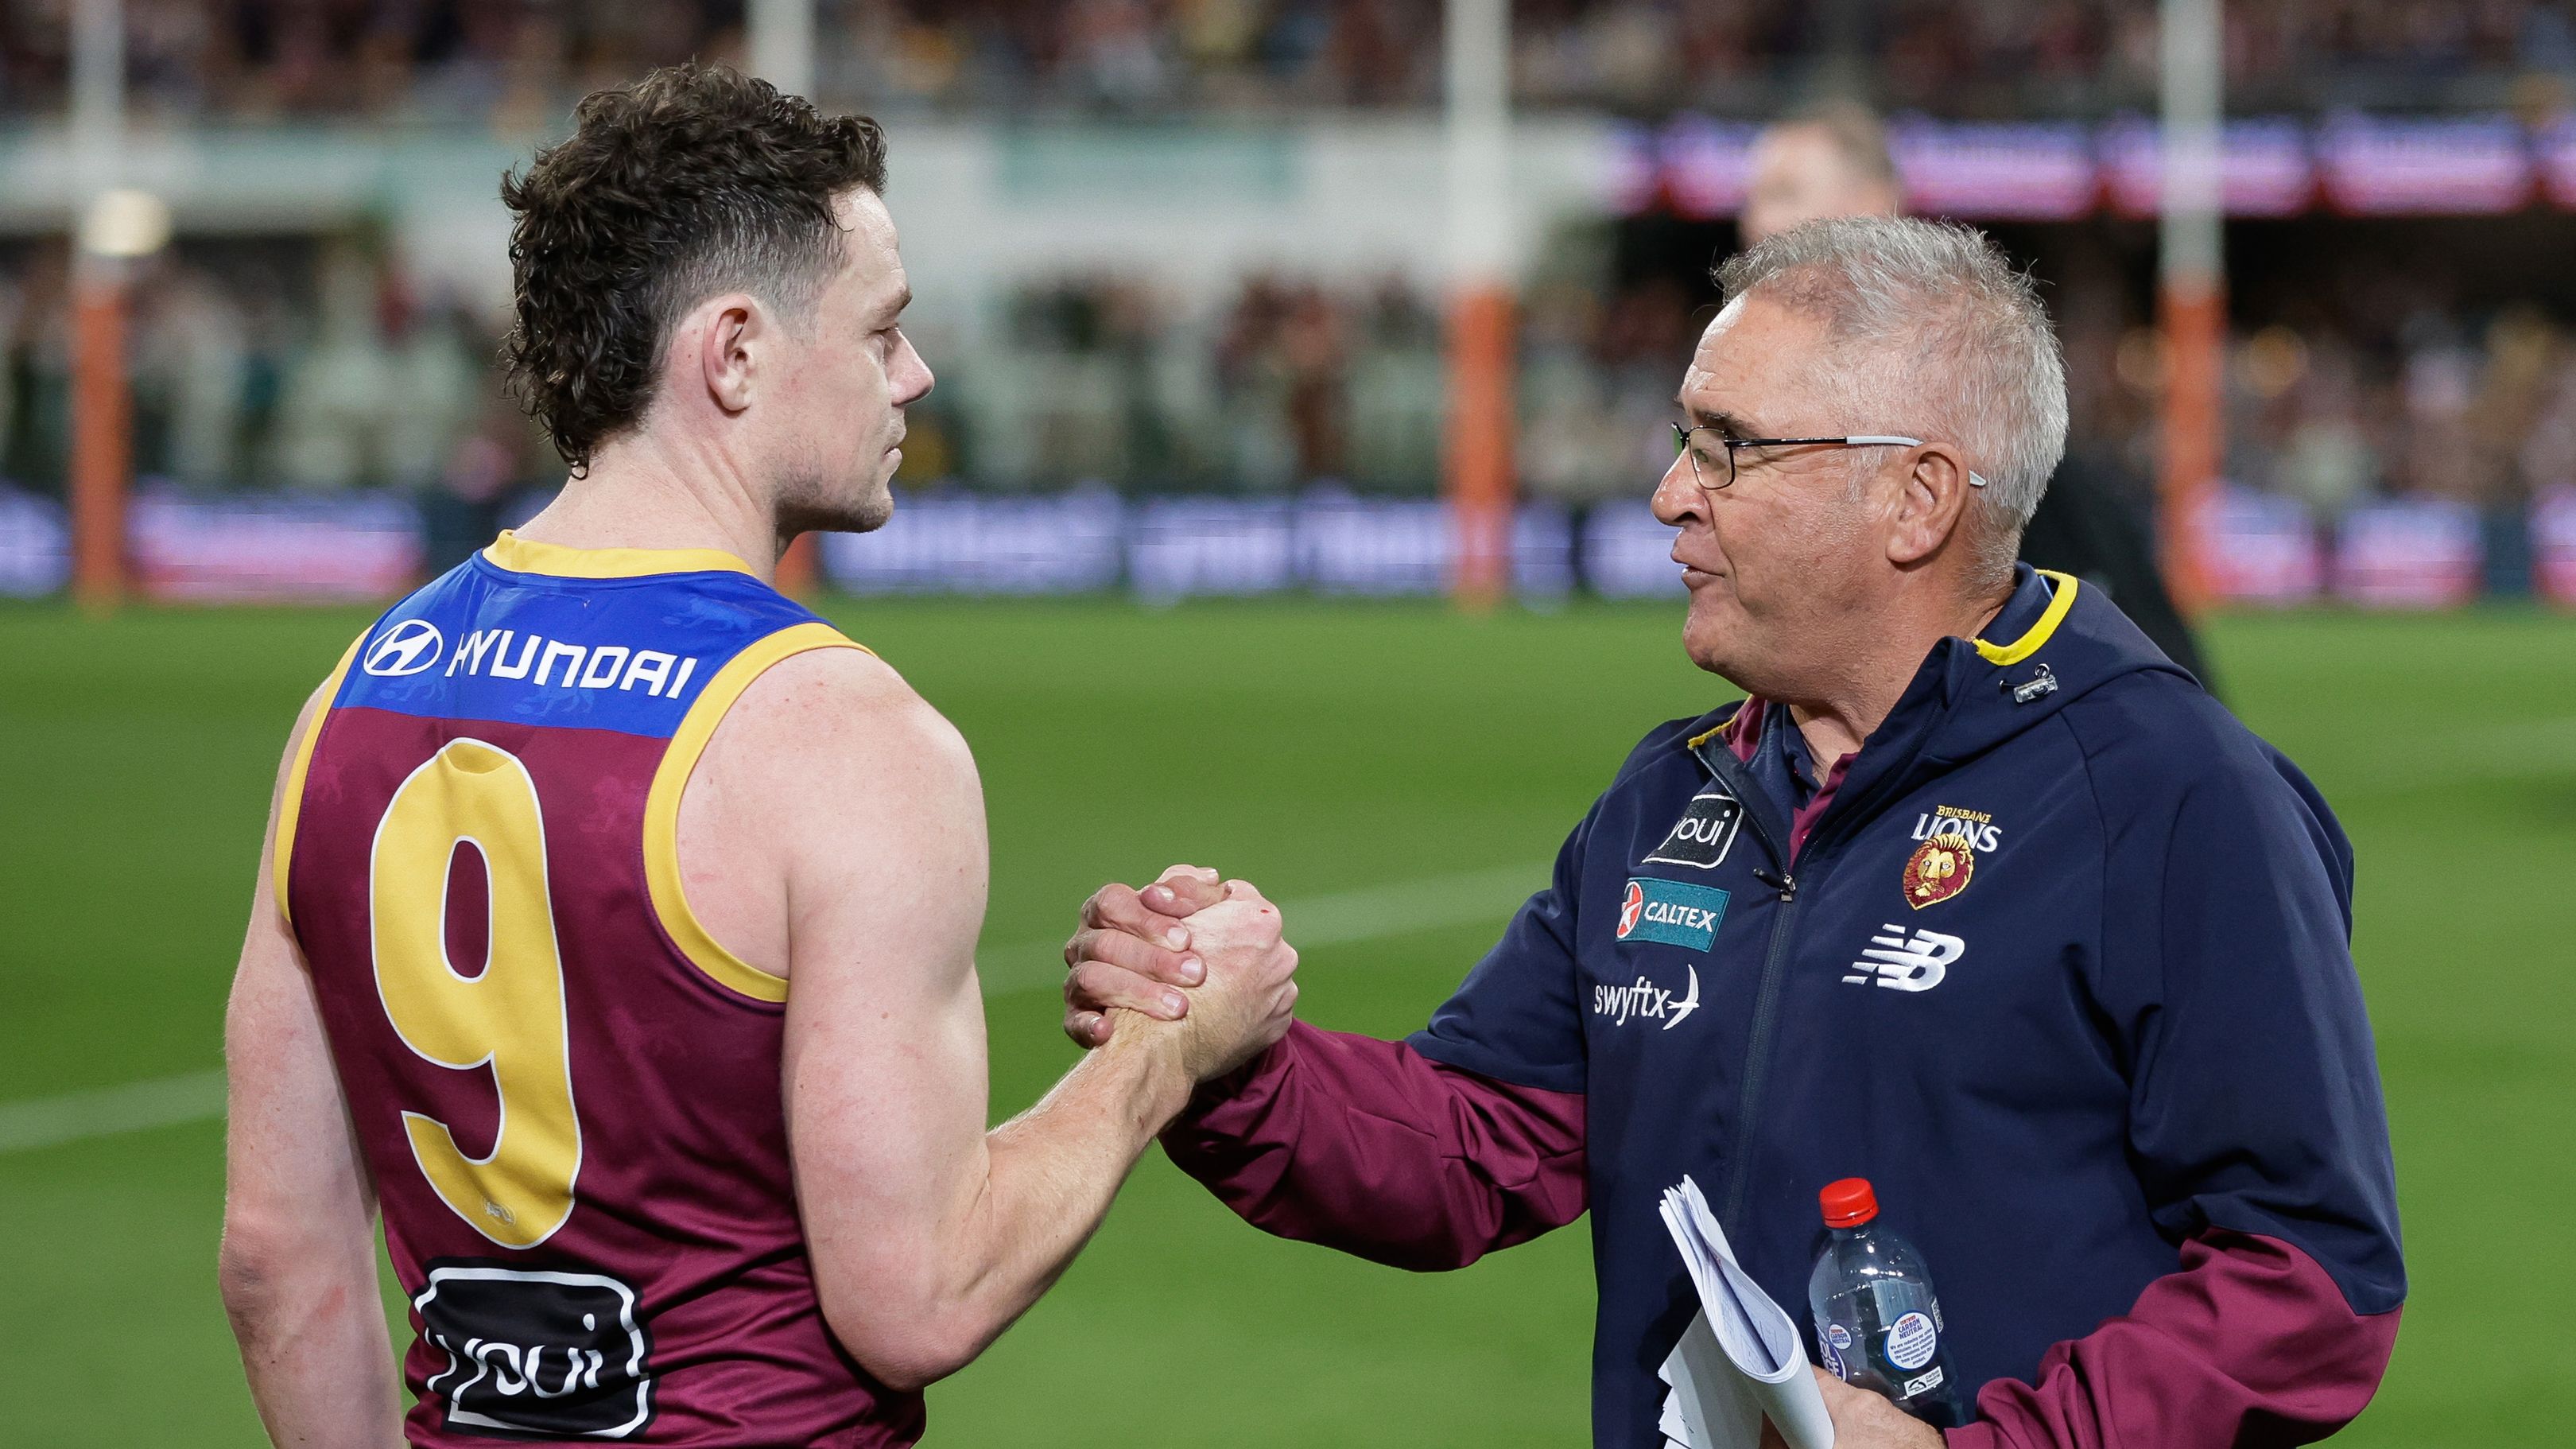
column 586, row 666
column 1672, row 912
column 1915, row 963
column 407, row 648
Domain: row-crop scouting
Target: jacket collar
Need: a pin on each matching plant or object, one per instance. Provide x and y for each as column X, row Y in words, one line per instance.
column 2053, row 641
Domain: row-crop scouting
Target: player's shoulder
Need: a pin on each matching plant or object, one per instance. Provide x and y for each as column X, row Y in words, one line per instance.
column 318, row 703
column 843, row 680
column 832, row 717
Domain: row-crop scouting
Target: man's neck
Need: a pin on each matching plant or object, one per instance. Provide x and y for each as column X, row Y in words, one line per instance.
column 1852, row 707
column 639, row 495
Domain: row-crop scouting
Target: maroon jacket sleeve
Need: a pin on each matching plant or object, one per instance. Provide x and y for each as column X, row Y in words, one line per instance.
column 2250, row 1343
column 1370, row 1147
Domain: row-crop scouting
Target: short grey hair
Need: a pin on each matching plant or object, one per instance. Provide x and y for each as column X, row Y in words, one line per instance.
column 1953, row 345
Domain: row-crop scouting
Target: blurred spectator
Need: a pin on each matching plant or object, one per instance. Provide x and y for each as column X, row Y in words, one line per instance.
column 191, row 364
column 1826, row 162
column 341, row 375
column 1399, row 389
column 35, row 372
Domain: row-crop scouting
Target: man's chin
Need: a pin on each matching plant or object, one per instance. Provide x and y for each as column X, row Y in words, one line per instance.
column 1706, row 636
column 865, row 512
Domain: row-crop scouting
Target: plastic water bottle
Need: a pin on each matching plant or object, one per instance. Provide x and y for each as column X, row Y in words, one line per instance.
column 1877, row 1324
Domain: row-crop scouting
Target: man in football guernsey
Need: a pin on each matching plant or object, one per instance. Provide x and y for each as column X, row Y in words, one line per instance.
column 615, row 936
column 1978, row 896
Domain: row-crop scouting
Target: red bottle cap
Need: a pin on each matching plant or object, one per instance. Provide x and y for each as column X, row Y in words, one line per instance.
column 1848, row 1203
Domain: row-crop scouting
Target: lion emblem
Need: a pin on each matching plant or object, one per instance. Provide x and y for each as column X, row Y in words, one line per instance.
column 1938, row 870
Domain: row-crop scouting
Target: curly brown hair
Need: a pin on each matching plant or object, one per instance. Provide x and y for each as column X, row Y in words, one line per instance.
column 692, row 181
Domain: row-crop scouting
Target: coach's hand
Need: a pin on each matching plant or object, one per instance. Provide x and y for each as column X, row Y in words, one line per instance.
column 1863, row 1420
column 1250, row 995
column 1133, row 949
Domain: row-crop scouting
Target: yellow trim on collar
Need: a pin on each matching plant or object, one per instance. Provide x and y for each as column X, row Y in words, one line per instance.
column 662, row 807
column 2030, row 643
column 527, row 556
column 290, row 805
column 1721, row 727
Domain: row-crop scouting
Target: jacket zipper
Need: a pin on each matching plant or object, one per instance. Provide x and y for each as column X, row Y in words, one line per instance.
column 1757, row 1054
column 1766, row 996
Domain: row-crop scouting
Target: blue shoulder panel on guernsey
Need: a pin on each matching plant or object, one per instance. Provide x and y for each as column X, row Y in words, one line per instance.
column 627, row 653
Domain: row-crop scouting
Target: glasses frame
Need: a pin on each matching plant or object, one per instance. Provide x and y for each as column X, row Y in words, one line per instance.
column 1682, row 446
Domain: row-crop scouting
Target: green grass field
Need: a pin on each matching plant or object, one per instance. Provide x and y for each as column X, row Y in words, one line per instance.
column 1320, row 751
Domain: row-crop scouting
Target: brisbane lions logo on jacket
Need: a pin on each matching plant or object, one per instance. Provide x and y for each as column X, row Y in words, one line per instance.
column 1943, row 864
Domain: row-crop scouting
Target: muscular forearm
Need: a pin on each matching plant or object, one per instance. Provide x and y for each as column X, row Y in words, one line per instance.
column 1049, row 1177
column 1369, row 1147
column 1057, row 1166
column 314, row 1346
column 2251, row 1343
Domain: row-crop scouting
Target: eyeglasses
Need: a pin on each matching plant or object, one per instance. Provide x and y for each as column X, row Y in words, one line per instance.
column 1713, row 475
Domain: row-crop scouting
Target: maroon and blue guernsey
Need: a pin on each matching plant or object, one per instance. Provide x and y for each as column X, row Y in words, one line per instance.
column 567, row 1092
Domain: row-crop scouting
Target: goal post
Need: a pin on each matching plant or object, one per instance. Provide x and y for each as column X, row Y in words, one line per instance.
column 1476, row 462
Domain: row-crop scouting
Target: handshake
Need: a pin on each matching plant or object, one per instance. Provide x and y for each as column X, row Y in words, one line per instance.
column 1193, row 959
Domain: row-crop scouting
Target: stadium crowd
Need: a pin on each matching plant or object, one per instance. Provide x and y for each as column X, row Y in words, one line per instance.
column 323, row 368
column 517, row 63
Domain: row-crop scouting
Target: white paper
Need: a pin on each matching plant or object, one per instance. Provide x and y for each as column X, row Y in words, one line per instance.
column 1740, row 1360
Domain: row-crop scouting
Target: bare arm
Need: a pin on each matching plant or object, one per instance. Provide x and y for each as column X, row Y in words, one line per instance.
column 929, row 1234
column 298, row 1264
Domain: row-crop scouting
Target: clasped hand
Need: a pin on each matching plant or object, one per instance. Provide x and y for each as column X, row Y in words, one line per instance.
column 1198, row 956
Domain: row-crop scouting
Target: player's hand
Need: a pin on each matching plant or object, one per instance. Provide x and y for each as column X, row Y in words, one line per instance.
column 1250, row 995
column 1863, row 1420
column 1133, row 951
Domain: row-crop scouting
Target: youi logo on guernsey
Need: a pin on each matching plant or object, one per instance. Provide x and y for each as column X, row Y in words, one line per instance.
column 1671, row 911
column 407, row 648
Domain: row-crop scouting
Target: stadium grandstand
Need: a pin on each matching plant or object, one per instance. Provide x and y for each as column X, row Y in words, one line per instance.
column 311, row 356
column 516, row 62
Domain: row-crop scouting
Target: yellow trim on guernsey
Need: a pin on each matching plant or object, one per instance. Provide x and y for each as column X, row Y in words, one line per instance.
column 662, row 805
column 290, row 804
column 2029, row 644
column 527, row 556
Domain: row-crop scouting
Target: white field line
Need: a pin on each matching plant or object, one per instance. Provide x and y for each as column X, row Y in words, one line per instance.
column 2522, row 750
column 166, row 1102
column 1334, row 920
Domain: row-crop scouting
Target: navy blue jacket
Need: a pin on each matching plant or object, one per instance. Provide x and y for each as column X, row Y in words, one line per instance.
column 2062, row 966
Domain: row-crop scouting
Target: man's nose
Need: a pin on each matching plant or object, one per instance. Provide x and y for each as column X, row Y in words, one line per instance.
column 1678, row 496
column 912, row 377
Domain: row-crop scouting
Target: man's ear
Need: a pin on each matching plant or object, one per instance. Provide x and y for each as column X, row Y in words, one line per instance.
column 1931, row 503
column 729, row 334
